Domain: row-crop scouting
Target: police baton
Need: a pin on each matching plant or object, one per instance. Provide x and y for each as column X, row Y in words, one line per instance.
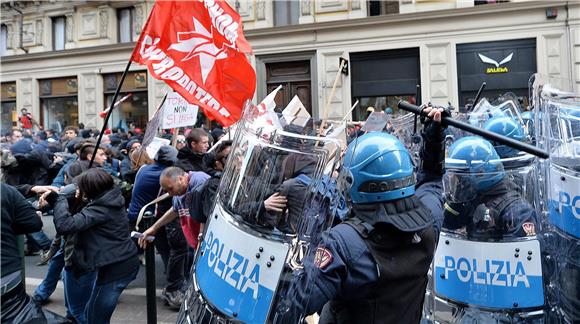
column 148, row 220
column 478, row 131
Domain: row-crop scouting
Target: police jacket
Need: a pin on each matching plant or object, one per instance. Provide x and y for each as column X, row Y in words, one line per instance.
column 102, row 231
column 501, row 212
column 369, row 275
column 370, row 272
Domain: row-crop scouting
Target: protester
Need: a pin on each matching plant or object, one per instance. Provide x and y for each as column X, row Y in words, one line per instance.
column 138, row 158
column 147, row 187
column 180, row 185
column 191, row 157
column 126, row 163
column 181, row 143
column 103, row 245
column 26, row 120
column 18, row 217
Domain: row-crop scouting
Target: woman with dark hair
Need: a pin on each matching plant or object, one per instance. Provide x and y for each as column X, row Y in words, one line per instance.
column 102, row 243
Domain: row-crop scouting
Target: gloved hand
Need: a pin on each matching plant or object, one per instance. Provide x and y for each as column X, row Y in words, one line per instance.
column 457, row 215
column 433, row 149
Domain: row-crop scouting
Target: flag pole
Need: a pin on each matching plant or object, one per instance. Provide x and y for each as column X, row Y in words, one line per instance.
column 328, row 101
column 174, row 138
column 110, row 112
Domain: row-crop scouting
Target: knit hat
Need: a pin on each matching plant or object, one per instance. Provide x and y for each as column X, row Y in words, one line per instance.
column 23, row 146
column 167, row 155
column 216, row 133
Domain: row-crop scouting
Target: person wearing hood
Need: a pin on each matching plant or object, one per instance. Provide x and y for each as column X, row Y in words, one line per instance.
column 103, row 245
column 192, row 156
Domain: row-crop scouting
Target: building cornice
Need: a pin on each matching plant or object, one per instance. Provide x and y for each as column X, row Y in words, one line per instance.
column 384, row 20
column 331, row 26
column 75, row 52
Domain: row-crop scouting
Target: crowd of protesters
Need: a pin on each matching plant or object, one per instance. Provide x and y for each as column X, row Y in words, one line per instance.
column 95, row 209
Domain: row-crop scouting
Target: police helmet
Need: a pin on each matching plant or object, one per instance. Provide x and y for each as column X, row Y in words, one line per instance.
column 377, row 168
column 506, row 126
column 472, row 167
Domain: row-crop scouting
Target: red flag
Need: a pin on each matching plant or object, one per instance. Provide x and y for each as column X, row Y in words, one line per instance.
column 198, row 49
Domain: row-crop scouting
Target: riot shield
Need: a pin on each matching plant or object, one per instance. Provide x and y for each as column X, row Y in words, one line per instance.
column 273, row 203
column 557, row 127
column 403, row 127
column 487, row 267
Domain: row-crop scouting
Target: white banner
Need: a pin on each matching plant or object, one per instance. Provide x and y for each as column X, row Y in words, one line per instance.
column 155, row 145
column 177, row 112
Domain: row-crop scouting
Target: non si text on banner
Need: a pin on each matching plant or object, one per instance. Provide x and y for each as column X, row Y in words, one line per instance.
column 177, row 112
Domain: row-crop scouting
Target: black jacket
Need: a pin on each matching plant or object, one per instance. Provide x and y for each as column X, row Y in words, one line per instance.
column 33, row 168
column 102, row 230
column 18, row 217
column 191, row 161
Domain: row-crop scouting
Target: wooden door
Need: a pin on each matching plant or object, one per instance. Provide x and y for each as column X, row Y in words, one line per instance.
column 295, row 80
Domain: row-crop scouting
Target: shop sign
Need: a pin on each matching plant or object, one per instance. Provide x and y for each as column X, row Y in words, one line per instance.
column 498, row 66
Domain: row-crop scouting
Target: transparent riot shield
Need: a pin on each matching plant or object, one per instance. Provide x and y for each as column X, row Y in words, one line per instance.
column 273, row 203
column 505, row 105
column 487, row 267
column 403, row 127
column 557, row 126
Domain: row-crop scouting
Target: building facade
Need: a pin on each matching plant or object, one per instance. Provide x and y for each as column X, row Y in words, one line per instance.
column 62, row 60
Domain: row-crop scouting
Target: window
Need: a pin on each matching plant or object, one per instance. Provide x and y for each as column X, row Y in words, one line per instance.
column 58, row 33
column 379, row 79
column 8, row 100
column 133, row 111
column 59, row 103
column 3, row 40
column 484, row 2
column 378, row 8
column 125, row 27
column 286, row 12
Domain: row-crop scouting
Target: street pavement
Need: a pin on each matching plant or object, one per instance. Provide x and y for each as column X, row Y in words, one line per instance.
column 132, row 306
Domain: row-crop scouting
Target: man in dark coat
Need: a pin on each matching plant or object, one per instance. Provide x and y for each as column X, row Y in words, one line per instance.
column 192, row 156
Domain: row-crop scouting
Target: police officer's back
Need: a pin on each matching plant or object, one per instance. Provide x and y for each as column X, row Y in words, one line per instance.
column 373, row 267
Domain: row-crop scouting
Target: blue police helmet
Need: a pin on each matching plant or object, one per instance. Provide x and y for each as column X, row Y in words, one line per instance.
column 377, row 168
column 476, row 160
column 509, row 127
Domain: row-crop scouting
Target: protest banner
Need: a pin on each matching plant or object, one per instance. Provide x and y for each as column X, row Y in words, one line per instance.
column 177, row 112
column 155, row 145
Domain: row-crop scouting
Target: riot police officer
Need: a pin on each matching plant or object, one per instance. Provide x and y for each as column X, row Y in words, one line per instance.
column 509, row 127
column 486, row 214
column 373, row 267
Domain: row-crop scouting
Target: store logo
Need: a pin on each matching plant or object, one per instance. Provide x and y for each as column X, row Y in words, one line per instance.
column 498, row 68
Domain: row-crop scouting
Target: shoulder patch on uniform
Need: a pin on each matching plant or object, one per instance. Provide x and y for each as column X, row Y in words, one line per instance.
column 529, row 228
column 322, row 258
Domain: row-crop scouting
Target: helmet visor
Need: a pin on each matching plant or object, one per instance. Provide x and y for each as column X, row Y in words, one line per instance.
column 459, row 188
